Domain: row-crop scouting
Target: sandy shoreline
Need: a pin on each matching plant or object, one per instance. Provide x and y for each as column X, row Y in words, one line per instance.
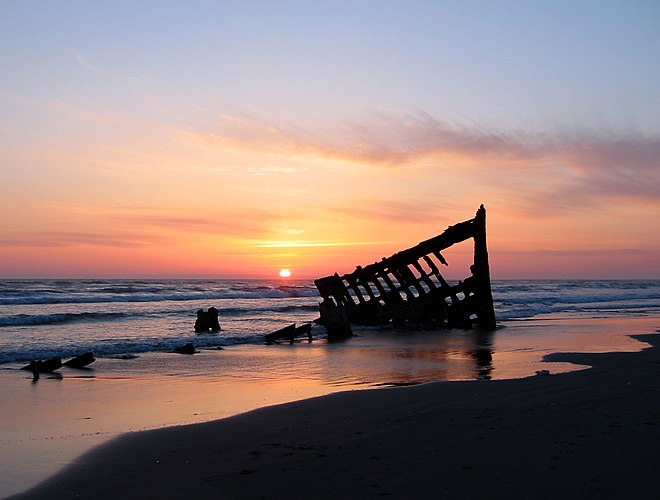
column 45, row 426
column 585, row 434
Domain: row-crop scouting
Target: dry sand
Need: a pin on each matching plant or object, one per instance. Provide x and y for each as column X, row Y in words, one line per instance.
column 588, row 434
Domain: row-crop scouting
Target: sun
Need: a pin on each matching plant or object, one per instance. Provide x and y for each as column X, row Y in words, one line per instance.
column 285, row 273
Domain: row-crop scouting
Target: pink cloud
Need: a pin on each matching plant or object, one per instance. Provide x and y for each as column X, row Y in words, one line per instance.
column 56, row 239
column 565, row 169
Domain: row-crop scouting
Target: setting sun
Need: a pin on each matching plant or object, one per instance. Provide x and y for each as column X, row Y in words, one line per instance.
column 285, row 273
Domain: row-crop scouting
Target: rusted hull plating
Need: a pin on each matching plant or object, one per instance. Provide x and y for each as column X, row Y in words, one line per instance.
column 408, row 289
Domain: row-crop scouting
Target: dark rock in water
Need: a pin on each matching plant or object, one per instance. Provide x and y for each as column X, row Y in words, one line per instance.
column 207, row 321
column 185, row 349
column 81, row 361
column 44, row 366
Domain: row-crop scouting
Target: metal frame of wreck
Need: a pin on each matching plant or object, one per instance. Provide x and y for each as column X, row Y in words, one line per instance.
column 408, row 288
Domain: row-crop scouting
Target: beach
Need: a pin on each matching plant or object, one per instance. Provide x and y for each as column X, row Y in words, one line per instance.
column 329, row 250
column 586, row 431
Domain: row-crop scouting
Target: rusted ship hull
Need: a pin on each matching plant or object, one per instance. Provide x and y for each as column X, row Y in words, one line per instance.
column 408, row 288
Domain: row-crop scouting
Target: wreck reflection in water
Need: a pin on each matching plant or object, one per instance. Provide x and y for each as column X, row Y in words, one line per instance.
column 396, row 358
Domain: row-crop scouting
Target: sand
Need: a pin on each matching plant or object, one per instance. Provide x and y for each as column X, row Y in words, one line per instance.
column 587, row 434
column 45, row 426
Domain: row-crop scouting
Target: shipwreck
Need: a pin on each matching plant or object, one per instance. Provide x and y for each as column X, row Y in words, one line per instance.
column 407, row 289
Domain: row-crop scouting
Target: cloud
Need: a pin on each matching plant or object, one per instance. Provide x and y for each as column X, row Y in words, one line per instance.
column 565, row 168
column 187, row 224
column 618, row 166
column 89, row 66
column 415, row 212
column 55, row 239
column 15, row 98
column 247, row 224
column 293, row 231
column 398, row 138
column 271, row 170
column 379, row 137
column 591, row 253
column 317, row 244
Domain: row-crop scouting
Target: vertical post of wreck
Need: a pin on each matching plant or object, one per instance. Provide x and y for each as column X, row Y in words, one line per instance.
column 481, row 273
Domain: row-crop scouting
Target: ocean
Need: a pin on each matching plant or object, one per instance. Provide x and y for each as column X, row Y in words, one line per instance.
column 136, row 383
column 124, row 318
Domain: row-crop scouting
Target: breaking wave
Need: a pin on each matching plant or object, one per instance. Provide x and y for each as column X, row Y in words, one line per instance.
column 45, row 318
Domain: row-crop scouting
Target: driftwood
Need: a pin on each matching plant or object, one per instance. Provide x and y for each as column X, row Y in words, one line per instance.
column 408, row 289
column 52, row 364
column 185, row 349
column 290, row 332
column 81, row 361
column 44, row 366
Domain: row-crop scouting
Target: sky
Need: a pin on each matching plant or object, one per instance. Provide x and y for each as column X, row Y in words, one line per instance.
column 237, row 138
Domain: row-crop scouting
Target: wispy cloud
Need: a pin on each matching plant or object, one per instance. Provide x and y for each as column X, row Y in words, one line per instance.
column 244, row 224
column 413, row 212
column 626, row 165
column 14, row 98
column 272, row 170
column 89, row 66
column 388, row 138
column 56, row 239
column 316, row 244
column 553, row 166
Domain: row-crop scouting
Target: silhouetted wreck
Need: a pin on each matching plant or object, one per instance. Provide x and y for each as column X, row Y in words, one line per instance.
column 408, row 288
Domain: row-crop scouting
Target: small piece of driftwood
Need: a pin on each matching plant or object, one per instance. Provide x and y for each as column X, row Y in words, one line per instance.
column 290, row 332
column 185, row 349
column 44, row 366
column 81, row 361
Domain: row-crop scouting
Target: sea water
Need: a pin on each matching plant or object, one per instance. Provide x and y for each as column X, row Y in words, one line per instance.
column 123, row 318
column 130, row 325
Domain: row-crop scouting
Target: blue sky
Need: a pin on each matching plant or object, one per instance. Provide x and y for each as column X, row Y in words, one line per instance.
column 511, row 64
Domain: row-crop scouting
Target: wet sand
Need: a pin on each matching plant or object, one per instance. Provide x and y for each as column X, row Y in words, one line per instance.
column 585, row 434
column 45, row 425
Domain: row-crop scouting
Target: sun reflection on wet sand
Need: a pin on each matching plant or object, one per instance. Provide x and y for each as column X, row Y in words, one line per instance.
column 45, row 425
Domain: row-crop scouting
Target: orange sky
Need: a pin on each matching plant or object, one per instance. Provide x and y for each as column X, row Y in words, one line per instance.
column 130, row 149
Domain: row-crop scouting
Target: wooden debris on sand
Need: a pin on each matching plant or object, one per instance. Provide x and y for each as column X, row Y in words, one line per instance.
column 290, row 333
column 188, row 348
column 81, row 361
